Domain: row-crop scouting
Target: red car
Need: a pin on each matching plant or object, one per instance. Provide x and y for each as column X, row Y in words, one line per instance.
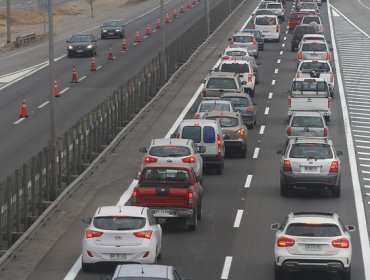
column 295, row 19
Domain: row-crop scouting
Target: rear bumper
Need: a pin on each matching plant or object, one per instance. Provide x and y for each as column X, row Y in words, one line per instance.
column 310, row 180
column 172, row 212
column 235, row 144
column 211, row 160
column 271, row 35
column 324, row 113
column 321, row 265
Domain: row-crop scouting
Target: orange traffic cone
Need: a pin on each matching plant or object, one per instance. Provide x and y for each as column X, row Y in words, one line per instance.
column 110, row 53
column 148, row 30
column 23, row 109
column 93, row 64
column 137, row 37
column 167, row 19
column 174, row 13
column 56, row 89
column 74, row 75
column 182, row 10
column 188, row 5
column 158, row 24
column 124, row 45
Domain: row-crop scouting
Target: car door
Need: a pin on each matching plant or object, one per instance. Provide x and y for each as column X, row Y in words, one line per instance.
column 199, row 161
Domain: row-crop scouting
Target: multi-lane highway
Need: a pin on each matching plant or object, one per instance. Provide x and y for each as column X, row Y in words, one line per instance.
column 224, row 246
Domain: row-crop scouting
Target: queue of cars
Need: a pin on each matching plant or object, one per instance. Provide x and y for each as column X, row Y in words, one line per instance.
column 170, row 183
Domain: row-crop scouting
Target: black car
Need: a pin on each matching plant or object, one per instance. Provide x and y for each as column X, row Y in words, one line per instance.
column 81, row 45
column 298, row 33
column 112, row 29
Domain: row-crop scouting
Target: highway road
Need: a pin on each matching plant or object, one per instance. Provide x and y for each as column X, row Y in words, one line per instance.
column 222, row 247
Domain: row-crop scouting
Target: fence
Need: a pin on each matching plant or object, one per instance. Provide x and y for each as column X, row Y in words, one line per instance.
column 25, row 194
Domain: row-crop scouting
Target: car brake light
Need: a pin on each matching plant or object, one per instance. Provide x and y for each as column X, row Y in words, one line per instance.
column 149, row 159
column 287, row 166
column 231, row 42
column 340, row 243
column 289, row 101
column 325, row 131
column 144, row 234
column 332, row 77
column 300, row 56
column 92, row 233
column 329, row 102
column 240, row 131
column 334, row 167
column 250, row 110
column 219, row 146
column 289, row 131
column 226, row 57
column 250, row 78
column 191, row 159
column 134, row 197
column 197, row 116
column 328, row 56
column 254, row 42
column 285, row 242
column 190, row 199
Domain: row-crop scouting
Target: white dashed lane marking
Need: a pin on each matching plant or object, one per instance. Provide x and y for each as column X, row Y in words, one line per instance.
column 43, row 104
column 262, row 130
column 256, row 152
column 267, row 110
column 270, row 95
column 226, row 268
column 238, row 218
column 248, row 181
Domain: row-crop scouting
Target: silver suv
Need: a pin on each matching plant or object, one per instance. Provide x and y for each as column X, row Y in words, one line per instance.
column 312, row 241
column 246, row 40
column 314, row 50
column 217, row 83
column 310, row 163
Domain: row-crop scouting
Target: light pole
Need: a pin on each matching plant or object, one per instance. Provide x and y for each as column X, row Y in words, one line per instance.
column 163, row 44
column 208, row 19
column 8, row 22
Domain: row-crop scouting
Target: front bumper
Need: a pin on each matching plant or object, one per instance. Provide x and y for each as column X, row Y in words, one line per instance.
column 310, row 180
column 80, row 52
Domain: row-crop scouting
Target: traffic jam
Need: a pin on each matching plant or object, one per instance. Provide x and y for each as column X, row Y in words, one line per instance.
column 170, row 186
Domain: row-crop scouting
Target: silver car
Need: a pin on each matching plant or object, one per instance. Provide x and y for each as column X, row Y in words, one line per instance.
column 306, row 124
column 140, row 271
column 246, row 40
column 310, row 163
column 277, row 9
column 174, row 151
column 312, row 241
column 208, row 105
column 309, row 19
column 314, row 50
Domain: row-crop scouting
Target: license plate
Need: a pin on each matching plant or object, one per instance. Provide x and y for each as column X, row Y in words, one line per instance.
column 118, row 256
column 80, row 51
column 111, row 33
column 308, row 133
column 163, row 211
column 312, row 247
column 311, row 169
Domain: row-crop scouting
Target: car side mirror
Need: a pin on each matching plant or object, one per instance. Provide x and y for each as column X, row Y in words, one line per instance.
column 275, row 226
column 351, row 228
column 203, row 81
column 229, row 39
column 201, row 149
column 160, row 221
column 173, row 135
column 142, row 150
column 67, row 41
column 279, row 152
column 101, row 26
column 259, row 63
column 339, row 153
column 87, row 220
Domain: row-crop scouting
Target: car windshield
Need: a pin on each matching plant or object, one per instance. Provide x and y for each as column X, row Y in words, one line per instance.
column 80, row 38
column 315, row 65
column 222, row 83
column 311, row 19
column 309, row 85
column 242, row 39
column 235, row 67
column 208, row 106
column 273, row 6
column 311, row 151
column 236, row 53
column 237, row 101
column 265, row 21
column 225, row 121
column 313, row 230
column 119, row 222
column 111, row 24
column 169, row 151
column 165, row 175
column 307, row 121
column 314, row 47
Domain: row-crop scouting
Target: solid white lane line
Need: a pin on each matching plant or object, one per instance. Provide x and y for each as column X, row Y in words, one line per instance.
column 73, row 272
column 256, row 152
column 238, row 218
column 262, row 130
column 273, row 82
column 267, row 110
column 82, row 78
column 64, row 91
column 270, row 95
column 248, row 182
column 226, row 268
column 18, row 121
column 276, row 71
column 43, row 104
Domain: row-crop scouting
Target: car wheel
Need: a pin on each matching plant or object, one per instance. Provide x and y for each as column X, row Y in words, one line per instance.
column 284, row 189
column 278, row 273
column 159, row 256
column 87, row 267
column 251, row 92
column 336, row 191
column 194, row 221
column 243, row 152
column 346, row 274
column 278, row 40
column 199, row 212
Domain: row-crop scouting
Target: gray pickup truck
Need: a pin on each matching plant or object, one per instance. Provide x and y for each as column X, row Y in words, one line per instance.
column 310, row 94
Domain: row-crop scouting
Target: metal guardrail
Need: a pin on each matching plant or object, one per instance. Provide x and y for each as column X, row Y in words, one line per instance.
column 25, row 195
column 22, row 39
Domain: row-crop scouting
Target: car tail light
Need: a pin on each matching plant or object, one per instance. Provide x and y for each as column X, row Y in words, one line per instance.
column 240, row 132
column 190, row 199
column 197, row 116
column 149, row 159
column 340, row 243
column 277, row 28
column 289, row 131
column 298, row 75
column 219, row 146
column 191, row 159
column 226, row 57
column 204, row 93
column 285, row 242
column 289, row 101
column 144, row 234
column 328, row 56
column 329, row 102
column 334, row 167
column 287, row 166
column 249, row 110
column 134, row 198
column 332, row 77
column 254, row 42
column 300, row 56
column 92, row 233
column 250, row 78
column 325, row 131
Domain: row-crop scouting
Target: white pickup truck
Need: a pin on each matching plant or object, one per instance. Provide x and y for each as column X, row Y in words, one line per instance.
column 310, row 94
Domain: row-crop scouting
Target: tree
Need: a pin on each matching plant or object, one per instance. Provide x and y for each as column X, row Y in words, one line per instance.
column 91, row 2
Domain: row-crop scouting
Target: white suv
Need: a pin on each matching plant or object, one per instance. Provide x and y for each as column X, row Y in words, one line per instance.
column 312, row 241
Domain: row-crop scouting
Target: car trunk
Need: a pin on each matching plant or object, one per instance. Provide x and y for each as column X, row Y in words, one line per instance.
column 307, row 131
column 313, row 246
column 118, row 238
column 305, row 166
column 159, row 195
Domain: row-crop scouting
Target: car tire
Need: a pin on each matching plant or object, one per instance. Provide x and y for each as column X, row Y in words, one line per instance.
column 284, row 189
column 346, row 274
column 219, row 169
column 336, row 191
column 194, row 221
column 199, row 212
column 159, row 256
column 256, row 56
column 278, row 273
column 87, row 267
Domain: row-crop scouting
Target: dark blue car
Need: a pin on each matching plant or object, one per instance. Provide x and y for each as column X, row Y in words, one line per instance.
column 258, row 36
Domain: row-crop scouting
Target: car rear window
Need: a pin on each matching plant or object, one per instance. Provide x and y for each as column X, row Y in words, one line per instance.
column 205, row 107
column 300, row 30
column 311, row 19
column 235, row 67
column 237, row 101
column 226, row 121
column 313, row 230
column 309, row 85
column 119, row 223
column 243, row 39
column 306, row 121
column 209, row 135
column 314, row 47
column 165, row 175
column 312, row 151
column 274, row 6
column 264, row 12
column 310, row 6
column 221, row 83
column 169, row 151
column 265, row 21
column 236, row 53
column 192, row 132
column 315, row 65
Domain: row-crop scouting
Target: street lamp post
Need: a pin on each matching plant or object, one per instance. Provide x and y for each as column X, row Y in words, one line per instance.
column 8, row 22
column 163, row 44
column 208, row 19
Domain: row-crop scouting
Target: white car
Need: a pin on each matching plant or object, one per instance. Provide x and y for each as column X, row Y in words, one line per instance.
column 233, row 51
column 208, row 105
column 121, row 234
column 269, row 26
column 312, row 37
column 312, row 241
column 245, row 40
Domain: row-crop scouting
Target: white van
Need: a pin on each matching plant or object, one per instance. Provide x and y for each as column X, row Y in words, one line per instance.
column 205, row 133
column 269, row 26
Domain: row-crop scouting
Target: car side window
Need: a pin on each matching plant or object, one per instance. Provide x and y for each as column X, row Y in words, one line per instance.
column 151, row 218
column 176, row 276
